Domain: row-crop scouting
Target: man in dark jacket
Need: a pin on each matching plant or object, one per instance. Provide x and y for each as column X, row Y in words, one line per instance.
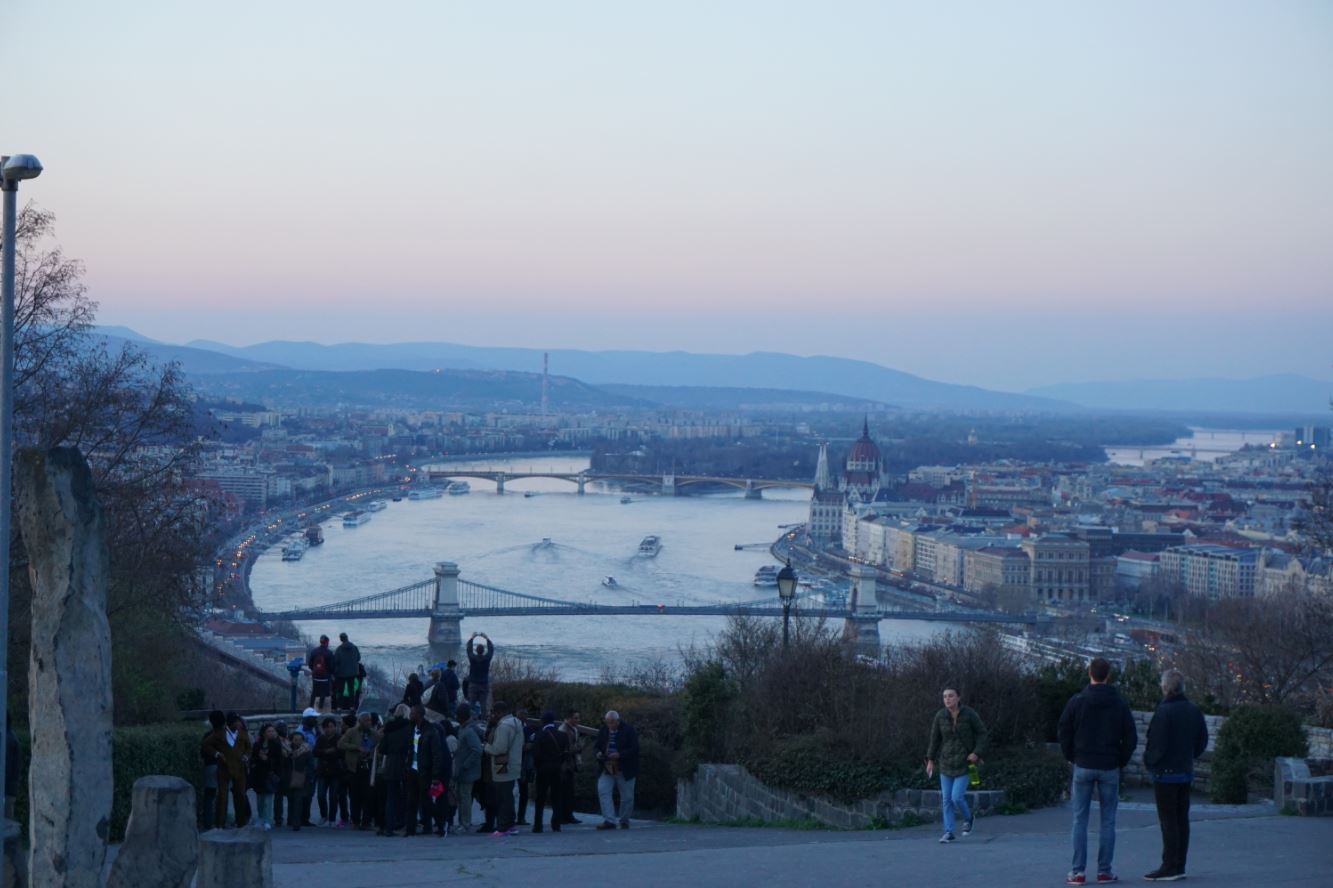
column 320, row 663
column 395, row 748
column 1177, row 735
column 1098, row 736
column 550, row 749
column 617, row 749
column 425, row 767
column 346, row 666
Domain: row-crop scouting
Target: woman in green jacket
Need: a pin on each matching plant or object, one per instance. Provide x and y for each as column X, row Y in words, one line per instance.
column 957, row 739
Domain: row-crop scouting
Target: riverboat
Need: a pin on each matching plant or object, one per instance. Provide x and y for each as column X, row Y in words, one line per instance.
column 376, row 506
column 356, row 519
column 295, row 550
column 624, row 500
column 610, row 583
column 766, row 576
column 425, row 493
column 458, row 488
column 314, row 535
column 650, row 546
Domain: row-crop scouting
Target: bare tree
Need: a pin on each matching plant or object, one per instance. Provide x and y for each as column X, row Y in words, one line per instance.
column 1277, row 649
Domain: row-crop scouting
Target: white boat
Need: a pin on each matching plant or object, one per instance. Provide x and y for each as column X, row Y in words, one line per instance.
column 376, row 506
column 610, row 582
column 766, row 576
column 295, row 550
column 458, row 488
column 425, row 493
column 356, row 519
column 624, row 500
column 650, row 546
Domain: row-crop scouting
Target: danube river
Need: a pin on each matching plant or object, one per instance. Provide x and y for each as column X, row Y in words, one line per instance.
column 1204, row 444
column 498, row 540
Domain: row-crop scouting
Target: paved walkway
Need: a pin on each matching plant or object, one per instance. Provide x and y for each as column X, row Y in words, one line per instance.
column 1245, row 846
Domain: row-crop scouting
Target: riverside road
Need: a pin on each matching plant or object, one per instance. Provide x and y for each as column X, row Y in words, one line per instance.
column 1245, row 846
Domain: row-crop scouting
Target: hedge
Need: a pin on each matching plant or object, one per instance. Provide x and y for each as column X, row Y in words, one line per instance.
column 1249, row 740
column 171, row 749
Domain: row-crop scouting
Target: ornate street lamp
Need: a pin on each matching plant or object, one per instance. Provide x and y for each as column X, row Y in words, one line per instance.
column 786, row 594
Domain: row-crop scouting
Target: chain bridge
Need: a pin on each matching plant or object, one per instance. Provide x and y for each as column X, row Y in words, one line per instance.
column 446, row 600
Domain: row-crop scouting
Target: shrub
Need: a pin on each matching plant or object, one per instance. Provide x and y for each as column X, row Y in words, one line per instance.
column 817, row 764
column 170, row 749
column 1246, row 745
column 1031, row 777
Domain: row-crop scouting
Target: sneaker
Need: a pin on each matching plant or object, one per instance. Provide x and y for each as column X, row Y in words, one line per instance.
column 606, row 824
column 1107, row 878
column 512, row 831
column 967, row 827
column 499, row 834
column 624, row 824
column 1162, row 874
column 1075, row 879
column 947, row 838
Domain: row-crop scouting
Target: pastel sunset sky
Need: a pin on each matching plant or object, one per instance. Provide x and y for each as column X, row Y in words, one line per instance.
column 1004, row 194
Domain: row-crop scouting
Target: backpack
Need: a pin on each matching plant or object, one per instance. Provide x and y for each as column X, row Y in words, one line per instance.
column 319, row 665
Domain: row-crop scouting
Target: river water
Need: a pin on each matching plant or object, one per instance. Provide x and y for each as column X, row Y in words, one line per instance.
column 497, row 540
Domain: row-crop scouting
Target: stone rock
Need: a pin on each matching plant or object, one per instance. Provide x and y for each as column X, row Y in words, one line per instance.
column 229, row 858
column 161, row 846
column 69, row 778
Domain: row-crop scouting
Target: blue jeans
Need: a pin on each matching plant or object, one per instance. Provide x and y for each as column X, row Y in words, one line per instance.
column 1108, row 797
column 953, row 794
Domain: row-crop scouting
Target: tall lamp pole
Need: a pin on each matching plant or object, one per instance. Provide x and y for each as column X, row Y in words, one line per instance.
column 786, row 594
column 12, row 171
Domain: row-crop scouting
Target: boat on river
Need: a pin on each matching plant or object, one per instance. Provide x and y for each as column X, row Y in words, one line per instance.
column 356, row 519
column 458, row 488
column 376, row 506
column 610, row 583
column 766, row 576
column 425, row 493
column 624, row 500
column 295, row 550
column 314, row 535
column 650, row 545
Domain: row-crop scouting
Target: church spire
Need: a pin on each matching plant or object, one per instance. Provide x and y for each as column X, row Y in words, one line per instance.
column 865, row 426
column 821, row 469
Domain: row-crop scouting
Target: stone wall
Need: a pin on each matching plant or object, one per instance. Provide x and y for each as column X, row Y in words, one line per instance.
column 1320, row 740
column 721, row 793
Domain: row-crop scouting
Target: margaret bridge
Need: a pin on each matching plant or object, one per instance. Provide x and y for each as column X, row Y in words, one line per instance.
column 446, row 600
column 668, row 483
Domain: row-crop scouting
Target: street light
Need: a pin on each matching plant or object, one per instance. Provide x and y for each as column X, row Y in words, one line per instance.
column 12, row 171
column 786, row 594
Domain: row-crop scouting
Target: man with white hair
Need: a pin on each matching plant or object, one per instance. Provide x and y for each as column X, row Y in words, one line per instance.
column 1177, row 735
column 617, row 749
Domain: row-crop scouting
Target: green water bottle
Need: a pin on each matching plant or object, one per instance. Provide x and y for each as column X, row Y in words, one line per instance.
column 973, row 775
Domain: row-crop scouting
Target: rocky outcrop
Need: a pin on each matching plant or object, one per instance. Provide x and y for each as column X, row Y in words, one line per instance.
column 232, row 857
column 161, row 845
column 69, row 669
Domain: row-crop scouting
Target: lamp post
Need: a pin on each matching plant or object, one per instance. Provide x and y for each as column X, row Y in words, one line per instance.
column 786, row 594
column 12, row 171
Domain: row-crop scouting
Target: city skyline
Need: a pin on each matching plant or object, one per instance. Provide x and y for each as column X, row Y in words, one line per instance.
column 1004, row 197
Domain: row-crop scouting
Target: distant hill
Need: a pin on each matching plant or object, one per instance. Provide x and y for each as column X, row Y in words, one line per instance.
column 406, row 389
column 1283, row 393
column 698, row 397
column 764, row 370
column 193, row 361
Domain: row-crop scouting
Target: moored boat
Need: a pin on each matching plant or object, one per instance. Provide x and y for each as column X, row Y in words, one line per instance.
column 356, row 519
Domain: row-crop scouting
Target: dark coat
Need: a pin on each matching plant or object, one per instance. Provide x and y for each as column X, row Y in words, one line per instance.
column 232, row 759
column 627, row 744
column 412, row 693
column 951, row 743
column 1097, row 729
column 266, row 766
column 346, row 659
column 320, row 662
column 1177, row 735
column 550, row 750
column 328, row 758
column 395, row 747
column 431, row 754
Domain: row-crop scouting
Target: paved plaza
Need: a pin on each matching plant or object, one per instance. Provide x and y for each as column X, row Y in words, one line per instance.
column 1248, row 846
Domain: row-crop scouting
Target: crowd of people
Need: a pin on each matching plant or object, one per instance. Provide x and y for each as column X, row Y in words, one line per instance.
column 446, row 751
column 1098, row 737
column 443, row 753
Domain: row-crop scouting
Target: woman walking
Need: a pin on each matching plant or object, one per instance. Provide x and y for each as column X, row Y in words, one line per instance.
column 957, row 740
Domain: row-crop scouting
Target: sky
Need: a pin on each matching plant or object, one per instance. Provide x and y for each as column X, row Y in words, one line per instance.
column 1004, row 194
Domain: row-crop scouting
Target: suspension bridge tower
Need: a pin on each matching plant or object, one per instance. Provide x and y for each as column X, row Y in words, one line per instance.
column 446, row 618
